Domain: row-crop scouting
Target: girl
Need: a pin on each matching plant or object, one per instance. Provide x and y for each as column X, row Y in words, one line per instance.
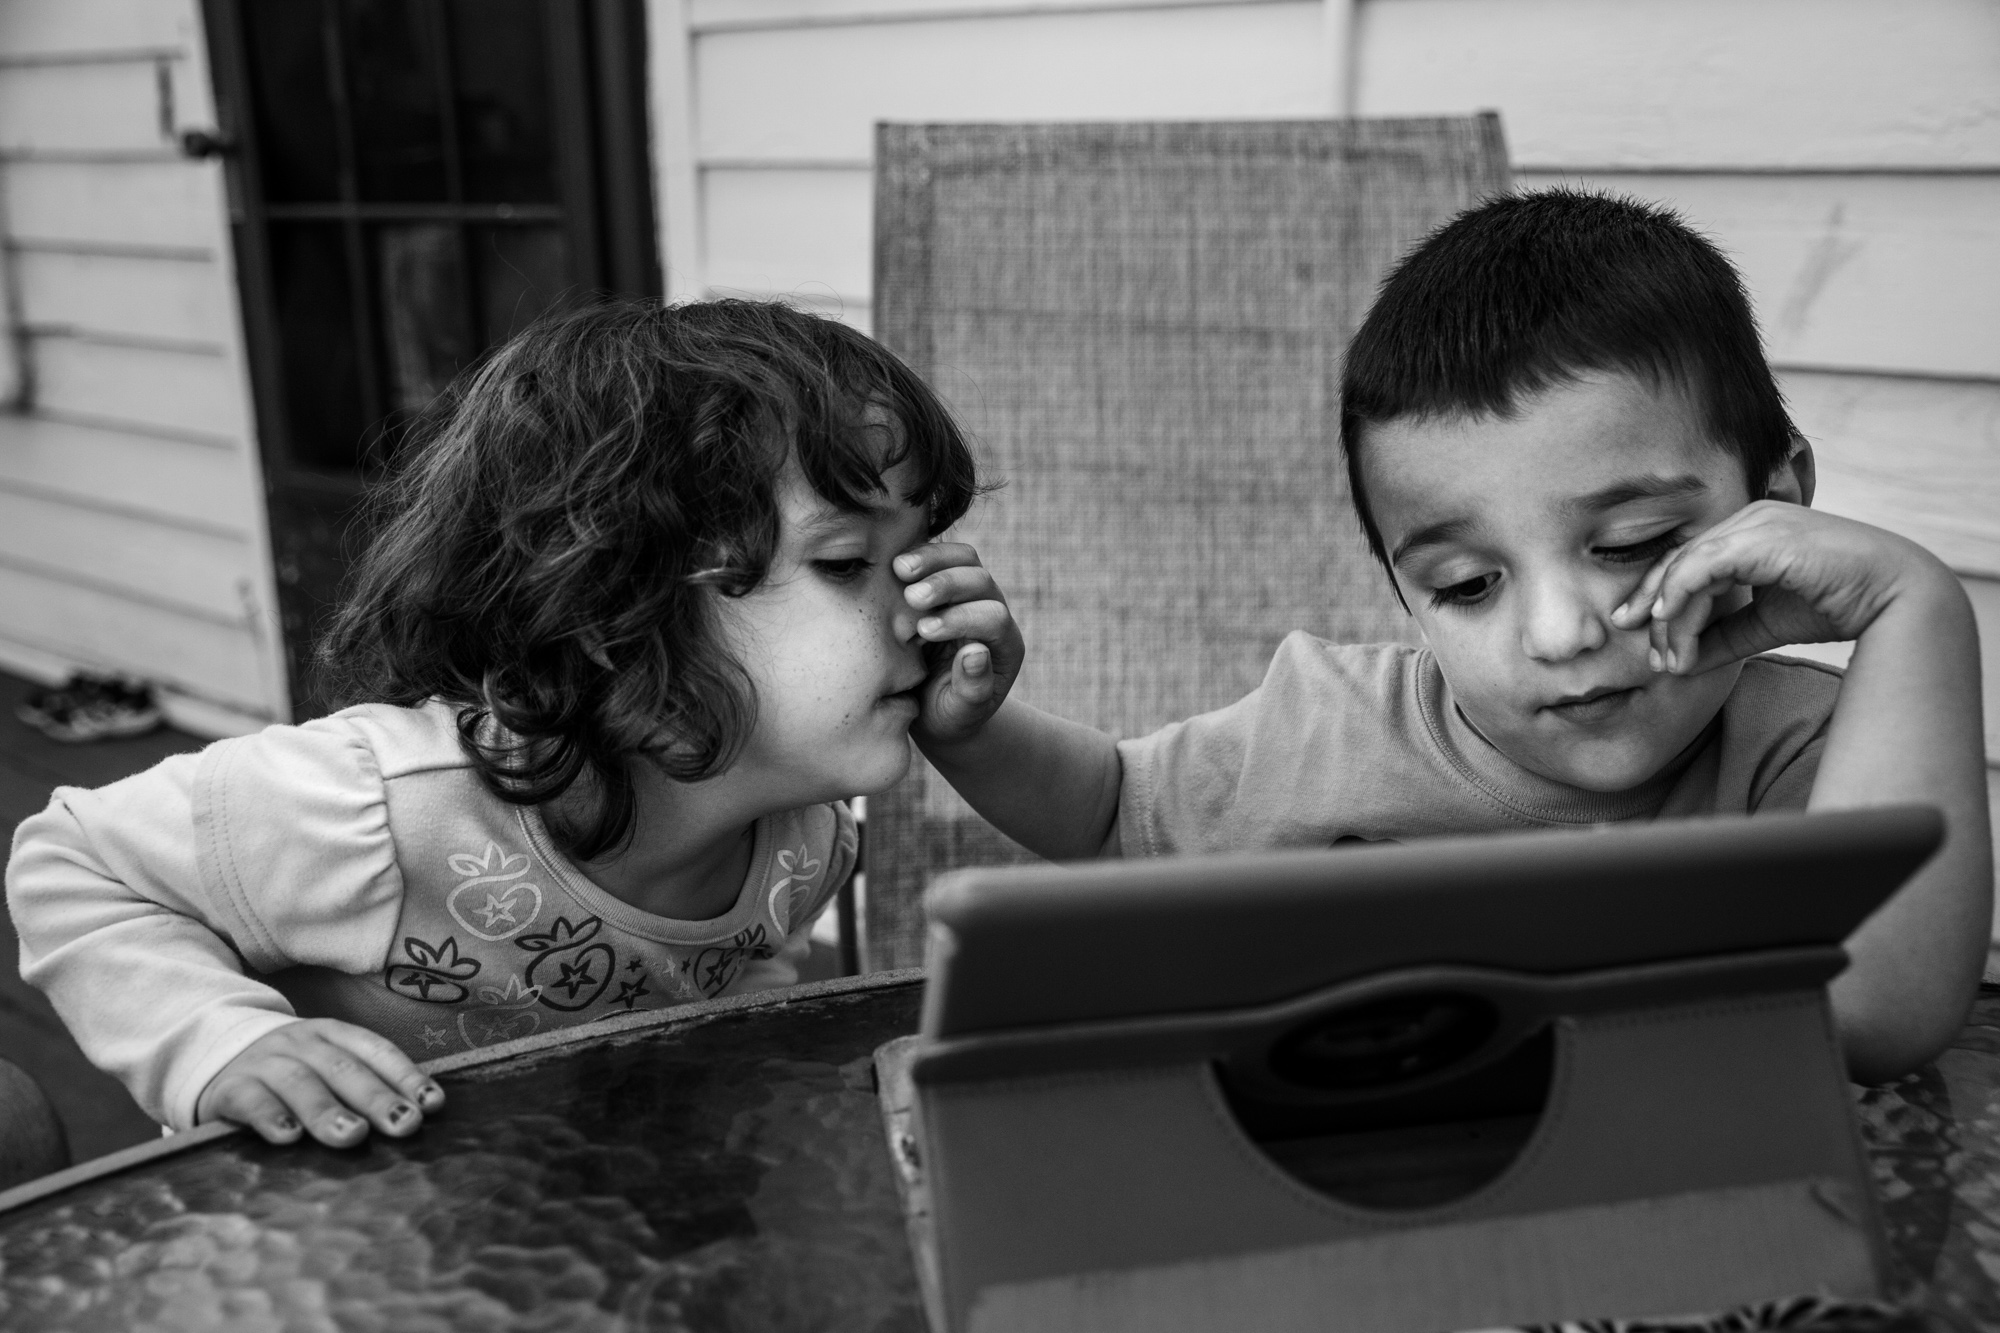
column 628, row 632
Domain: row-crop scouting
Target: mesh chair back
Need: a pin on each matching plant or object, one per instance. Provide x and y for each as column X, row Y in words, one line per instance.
column 1140, row 325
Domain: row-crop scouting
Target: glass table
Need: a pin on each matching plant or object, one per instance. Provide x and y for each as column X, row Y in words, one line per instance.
column 716, row 1167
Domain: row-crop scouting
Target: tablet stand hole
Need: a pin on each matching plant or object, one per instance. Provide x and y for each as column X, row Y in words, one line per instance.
column 1402, row 1150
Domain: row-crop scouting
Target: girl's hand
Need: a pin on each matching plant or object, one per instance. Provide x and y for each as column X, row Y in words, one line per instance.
column 1813, row 578
column 970, row 638
column 324, row 1077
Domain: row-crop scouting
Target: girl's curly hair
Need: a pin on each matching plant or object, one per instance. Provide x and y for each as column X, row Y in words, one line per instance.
column 548, row 555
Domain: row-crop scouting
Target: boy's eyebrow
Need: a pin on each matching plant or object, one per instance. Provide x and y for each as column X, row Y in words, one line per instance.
column 1436, row 534
column 1635, row 488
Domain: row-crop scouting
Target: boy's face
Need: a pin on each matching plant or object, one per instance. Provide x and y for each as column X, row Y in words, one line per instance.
column 1513, row 540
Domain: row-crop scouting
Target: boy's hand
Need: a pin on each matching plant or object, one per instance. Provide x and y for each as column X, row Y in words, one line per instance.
column 970, row 639
column 324, row 1077
column 1814, row 578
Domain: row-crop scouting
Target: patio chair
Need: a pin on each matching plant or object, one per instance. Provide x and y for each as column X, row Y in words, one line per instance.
column 1140, row 325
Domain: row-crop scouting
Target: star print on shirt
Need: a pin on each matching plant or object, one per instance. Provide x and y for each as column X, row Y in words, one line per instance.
column 499, row 907
column 575, row 976
column 629, row 992
column 434, row 1037
column 635, row 966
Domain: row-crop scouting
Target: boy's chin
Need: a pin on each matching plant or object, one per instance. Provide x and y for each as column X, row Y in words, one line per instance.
column 1602, row 769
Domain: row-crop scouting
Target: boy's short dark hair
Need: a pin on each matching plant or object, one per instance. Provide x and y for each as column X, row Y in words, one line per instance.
column 548, row 555
column 1528, row 291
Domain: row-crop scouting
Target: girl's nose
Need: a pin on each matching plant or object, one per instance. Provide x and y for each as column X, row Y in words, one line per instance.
column 1560, row 620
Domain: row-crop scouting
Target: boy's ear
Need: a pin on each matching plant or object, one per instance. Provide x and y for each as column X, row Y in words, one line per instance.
column 1794, row 479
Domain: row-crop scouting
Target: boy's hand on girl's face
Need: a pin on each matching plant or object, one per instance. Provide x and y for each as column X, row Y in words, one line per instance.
column 1813, row 578
column 961, row 612
column 322, row 1077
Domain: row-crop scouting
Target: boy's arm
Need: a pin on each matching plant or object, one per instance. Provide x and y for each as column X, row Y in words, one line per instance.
column 1906, row 728
column 1046, row 782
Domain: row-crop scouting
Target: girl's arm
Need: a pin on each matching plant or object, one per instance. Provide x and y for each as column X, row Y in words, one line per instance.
column 1046, row 782
column 118, row 926
column 1906, row 728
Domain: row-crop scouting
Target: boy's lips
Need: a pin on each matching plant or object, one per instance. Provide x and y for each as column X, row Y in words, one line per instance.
column 1593, row 705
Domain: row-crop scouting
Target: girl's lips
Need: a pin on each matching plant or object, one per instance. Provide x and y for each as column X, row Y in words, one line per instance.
column 1594, row 707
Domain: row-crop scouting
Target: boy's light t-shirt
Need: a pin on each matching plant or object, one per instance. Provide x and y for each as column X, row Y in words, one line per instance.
column 1360, row 741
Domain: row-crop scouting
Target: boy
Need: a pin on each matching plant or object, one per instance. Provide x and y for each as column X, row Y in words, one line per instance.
column 1569, row 455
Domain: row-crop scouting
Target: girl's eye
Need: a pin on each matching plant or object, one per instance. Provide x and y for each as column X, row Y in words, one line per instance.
column 843, row 571
column 1645, row 552
column 1466, row 592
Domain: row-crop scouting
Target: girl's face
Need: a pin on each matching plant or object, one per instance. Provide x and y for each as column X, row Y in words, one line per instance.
column 831, row 648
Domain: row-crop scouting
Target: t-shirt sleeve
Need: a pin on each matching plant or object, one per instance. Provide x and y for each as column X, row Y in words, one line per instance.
column 144, row 906
column 1775, row 727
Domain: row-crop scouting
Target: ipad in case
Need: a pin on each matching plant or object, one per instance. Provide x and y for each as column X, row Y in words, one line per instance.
column 1456, row 1084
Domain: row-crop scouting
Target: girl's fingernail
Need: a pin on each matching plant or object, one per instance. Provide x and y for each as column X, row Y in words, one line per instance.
column 1653, row 658
column 919, row 593
column 930, row 625
column 400, row 1112
column 430, row 1094
column 344, row 1123
column 976, row 662
column 287, row 1125
column 1660, row 609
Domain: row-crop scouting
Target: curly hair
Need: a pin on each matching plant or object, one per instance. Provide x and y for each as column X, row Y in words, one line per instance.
column 549, row 553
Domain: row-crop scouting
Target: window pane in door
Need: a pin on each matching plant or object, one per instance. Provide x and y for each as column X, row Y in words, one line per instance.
column 425, row 331
column 296, row 153
column 521, row 272
column 325, row 415
column 501, row 67
column 395, row 73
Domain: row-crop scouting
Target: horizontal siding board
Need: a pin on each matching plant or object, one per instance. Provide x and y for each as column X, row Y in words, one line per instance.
column 93, row 627
column 170, row 566
column 1697, row 82
column 180, row 392
column 816, row 93
column 147, row 204
column 168, row 480
column 125, row 296
column 80, row 108
column 804, row 232
column 73, row 27
column 1892, row 273
column 1919, row 457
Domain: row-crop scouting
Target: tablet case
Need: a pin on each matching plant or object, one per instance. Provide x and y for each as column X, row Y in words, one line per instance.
column 1460, row 1084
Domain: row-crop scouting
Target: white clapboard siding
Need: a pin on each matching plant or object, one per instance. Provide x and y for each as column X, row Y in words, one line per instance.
column 1752, row 83
column 69, row 621
column 39, row 29
column 168, row 299
column 196, row 572
column 1920, row 457
column 1867, row 272
column 142, row 206
column 201, row 485
column 815, row 93
column 85, row 108
column 152, row 389
column 803, row 232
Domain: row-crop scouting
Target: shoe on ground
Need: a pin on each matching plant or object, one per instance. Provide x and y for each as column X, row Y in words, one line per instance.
column 89, row 707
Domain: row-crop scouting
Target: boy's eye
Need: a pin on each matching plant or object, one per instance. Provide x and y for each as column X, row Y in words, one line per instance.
column 1644, row 552
column 844, row 570
column 1466, row 592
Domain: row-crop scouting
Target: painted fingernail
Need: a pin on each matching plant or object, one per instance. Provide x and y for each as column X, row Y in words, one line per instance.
column 400, row 1112
column 287, row 1125
column 430, row 1094
column 930, row 625
column 344, row 1124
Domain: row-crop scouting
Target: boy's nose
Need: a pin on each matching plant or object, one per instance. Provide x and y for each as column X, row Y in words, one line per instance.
column 1560, row 621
